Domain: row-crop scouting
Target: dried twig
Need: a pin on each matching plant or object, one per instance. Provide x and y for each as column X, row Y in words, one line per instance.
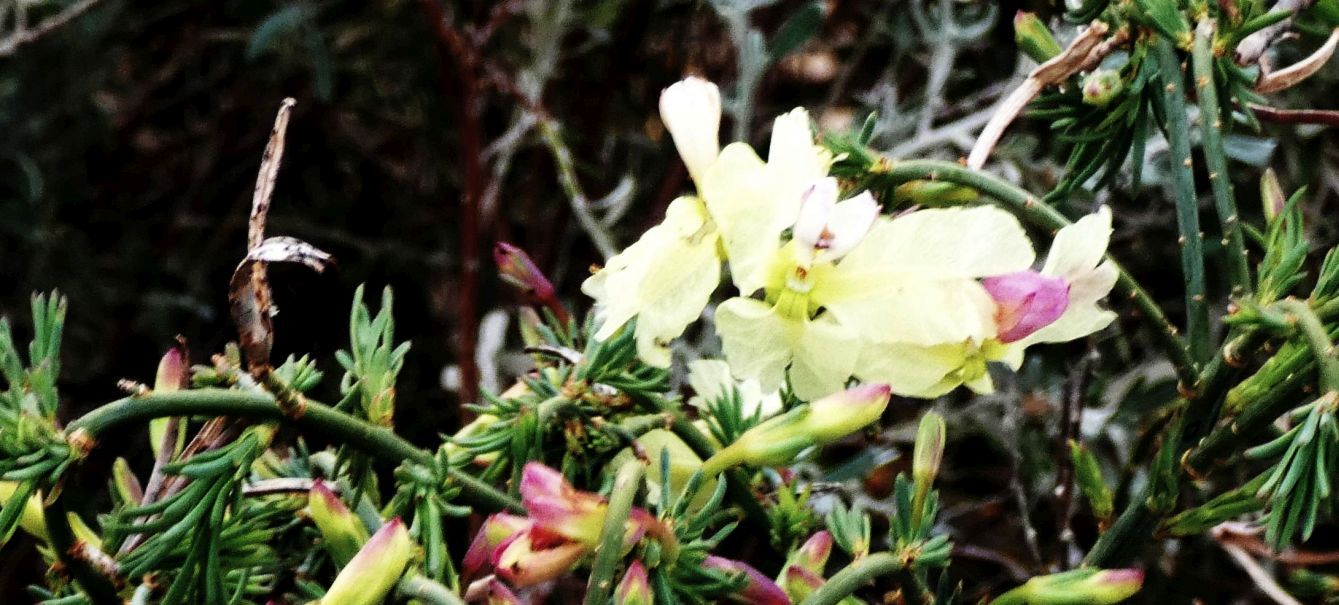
column 1262, row 578
column 1324, row 117
column 1294, row 74
column 1085, row 51
column 11, row 42
column 1252, row 47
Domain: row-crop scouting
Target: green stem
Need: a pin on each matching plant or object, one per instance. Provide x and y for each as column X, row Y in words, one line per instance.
column 1313, row 332
column 378, row 441
column 1216, row 159
column 1187, row 205
column 417, row 586
column 736, row 484
column 626, row 484
column 1032, row 210
column 98, row 587
column 859, row 573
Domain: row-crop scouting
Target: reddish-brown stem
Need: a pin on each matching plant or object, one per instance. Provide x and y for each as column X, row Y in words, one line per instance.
column 462, row 84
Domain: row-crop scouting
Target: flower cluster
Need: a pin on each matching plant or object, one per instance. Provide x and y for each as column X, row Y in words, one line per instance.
column 563, row 527
column 830, row 289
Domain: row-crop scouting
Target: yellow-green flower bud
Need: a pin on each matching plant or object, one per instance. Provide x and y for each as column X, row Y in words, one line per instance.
column 342, row 531
column 173, row 375
column 31, row 519
column 1089, row 586
column 929, row 449
column 371, row 575
column 635, row 589
column 1101, row 86
column 1034, row 38
column 779, row 439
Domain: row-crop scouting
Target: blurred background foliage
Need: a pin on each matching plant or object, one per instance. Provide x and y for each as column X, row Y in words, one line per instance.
column 426, row 131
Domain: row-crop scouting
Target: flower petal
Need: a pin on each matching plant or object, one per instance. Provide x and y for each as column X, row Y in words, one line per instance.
column 755, row 340
column 751, row 208
column 691, row 110
column 1079, row 247
column 946, row 243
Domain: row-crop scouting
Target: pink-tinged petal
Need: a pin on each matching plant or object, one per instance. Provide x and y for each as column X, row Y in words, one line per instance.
column 495, row 530
column 758, row 589
column 846, row 412
column 1026, row 301
column 800, row 583
column 558, row 507
column 172, row 374
column 341, row 530
column 524, row 560
column 813, row 554
column 373, row 572
column 497, row 593
column 635, row 588
column 815, row 208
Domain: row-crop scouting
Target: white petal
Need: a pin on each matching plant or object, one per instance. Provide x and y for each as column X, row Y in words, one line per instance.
column 1079, row 247
column 816, row 207
column 691, row 110
column 755, row 341
column 946, row 243
column 750, row 211
column 849, row 222
column 792, row 157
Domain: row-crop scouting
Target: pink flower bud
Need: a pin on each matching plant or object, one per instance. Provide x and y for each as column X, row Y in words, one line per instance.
column 497, row 593
column 813, row 554
column 517, row 269
column 800, row 583
column 172, row 374
column 578, row 516
column 1026, row 301
column 758, row 589
column 371, row 575
column 342, row 531
column 534, row 556
column 845, row 412
column 497, row 528
column 635, row 589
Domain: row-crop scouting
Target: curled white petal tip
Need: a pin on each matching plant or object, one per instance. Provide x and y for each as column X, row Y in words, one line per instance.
column 691, row 110
column 831, row 227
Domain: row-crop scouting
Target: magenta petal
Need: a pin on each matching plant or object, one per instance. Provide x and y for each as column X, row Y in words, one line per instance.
column 759, row 590
column 1027, row 301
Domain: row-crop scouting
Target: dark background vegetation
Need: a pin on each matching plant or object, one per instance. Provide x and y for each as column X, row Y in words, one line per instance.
column 130, row 139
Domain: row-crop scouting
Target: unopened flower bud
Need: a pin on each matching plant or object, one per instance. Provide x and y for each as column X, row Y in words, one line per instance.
column 757, row 590
column 635, row 588
column 125, row 484
column 1026, row 301
column 535, row 555
column 374, row 571
column 559, row 508
column 496, row 529
column 1101, row 86
column 929, row 449
column 1034, row 38
column 778, row 440
column 516, row 268
column 497, row 593
column 813, row 554
column 691, row 110
column 1272, row 197
column 342, row 531
column 846, row 412
column 799, row 584
column 173, row 375
column 1092, row 586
